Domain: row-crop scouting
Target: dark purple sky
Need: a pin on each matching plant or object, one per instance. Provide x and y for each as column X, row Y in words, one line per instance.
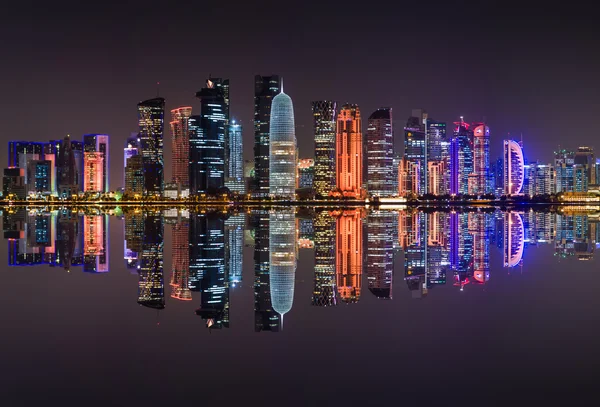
column 77, row 67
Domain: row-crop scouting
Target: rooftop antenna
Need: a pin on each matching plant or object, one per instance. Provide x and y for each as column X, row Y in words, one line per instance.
column 281, row 91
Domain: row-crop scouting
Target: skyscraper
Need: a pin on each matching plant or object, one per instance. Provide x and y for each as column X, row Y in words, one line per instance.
column 539, row 179
column 415, row 150
column 380, row 153
column 461, row 158
column 324, row 119
column 151, row 115
column 265, row 89
column 66, row 169
column 207, row 141
column 349, row 258
column 96, row 163
column 234, row 179
column 514, row 168
column 349, row 151
column 234, row 248
column 180, row 136
column 282, row 148
column 585, row 173
column 479, row 180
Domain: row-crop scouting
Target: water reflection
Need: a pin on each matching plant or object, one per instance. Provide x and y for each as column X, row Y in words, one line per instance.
column 351, row 247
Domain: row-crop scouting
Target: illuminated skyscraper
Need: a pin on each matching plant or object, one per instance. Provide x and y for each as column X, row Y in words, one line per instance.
column 96, row 163
column 539, row 179
column 180, row 274
column 282, row 251
column 415, row 151
column 207, row 268
column 151, row 288
column 207, row 141
column 380, row 253
column 461, row 158
column 180, row 137
column 151, row 115
column 131, row 149
column 324, row 119
column 584, row 170
column 324, row 291
column 461, row 248
column 95, row 244
column 380, row 153
column 282, row 148
column 66, row 169
column 349, row 255
column 234, row 179
column 479, row 180
column 134, row 176
column 265, row 318
column 265, row 89
column 564, row 162
column 349, row 151
column 514, row 168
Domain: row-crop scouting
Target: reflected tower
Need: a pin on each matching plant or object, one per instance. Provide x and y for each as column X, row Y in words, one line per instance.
column 151, row 290
column 324, row 291
column 265, row 318
column 349, row 255
column 180, row 274
column 380, row 253
column 282, row 256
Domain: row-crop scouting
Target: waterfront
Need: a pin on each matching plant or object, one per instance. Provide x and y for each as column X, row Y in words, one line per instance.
column 380, row 307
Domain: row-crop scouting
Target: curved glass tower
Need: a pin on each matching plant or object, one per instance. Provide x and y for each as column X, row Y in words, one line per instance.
column 282, row 257
column 282, row 156
column 514, row 168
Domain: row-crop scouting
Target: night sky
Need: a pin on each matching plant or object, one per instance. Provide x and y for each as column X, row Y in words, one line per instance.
column 75, row 67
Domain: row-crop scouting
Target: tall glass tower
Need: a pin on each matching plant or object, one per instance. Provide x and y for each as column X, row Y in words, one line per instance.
column 479, row 181
column 207, row 141
column 324, row 115
column 235, row 159
column 151, row 115
column 380, row 153
column 265, row 89
column 96, row 149
column 282, row 154
column 461, row 158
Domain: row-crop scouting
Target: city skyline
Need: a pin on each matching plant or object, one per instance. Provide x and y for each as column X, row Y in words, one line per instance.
column 528, row 97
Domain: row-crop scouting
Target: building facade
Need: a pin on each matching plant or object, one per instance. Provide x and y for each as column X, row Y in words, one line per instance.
column 282, row 148
column 349, row 152
column 234, row 179
column 265, row 89
column 514, row 168
column 207, row 142
column 151, row 115
column 324, row 121
column 380, row 153
column 96, row 148
column 180, row 138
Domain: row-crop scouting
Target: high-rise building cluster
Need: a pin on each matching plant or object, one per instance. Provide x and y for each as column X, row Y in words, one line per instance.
column 58, row 168
column 351, row 161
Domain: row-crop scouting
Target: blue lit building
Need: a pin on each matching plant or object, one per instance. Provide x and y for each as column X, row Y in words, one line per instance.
column 461, row 158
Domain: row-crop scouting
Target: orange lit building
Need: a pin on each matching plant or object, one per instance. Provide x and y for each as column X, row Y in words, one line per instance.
column 435, row 173
column 95, row 244
column 349, row 151
column 181, row 145
column 349, row 255
column 93, row 164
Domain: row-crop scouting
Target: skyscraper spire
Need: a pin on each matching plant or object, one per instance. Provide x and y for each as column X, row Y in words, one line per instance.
column 281, row 90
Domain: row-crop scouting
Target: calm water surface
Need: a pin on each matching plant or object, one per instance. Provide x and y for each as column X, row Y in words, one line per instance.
column 299, row 307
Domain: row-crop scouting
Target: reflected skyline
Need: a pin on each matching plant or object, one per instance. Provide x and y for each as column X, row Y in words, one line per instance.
column 353, row 248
